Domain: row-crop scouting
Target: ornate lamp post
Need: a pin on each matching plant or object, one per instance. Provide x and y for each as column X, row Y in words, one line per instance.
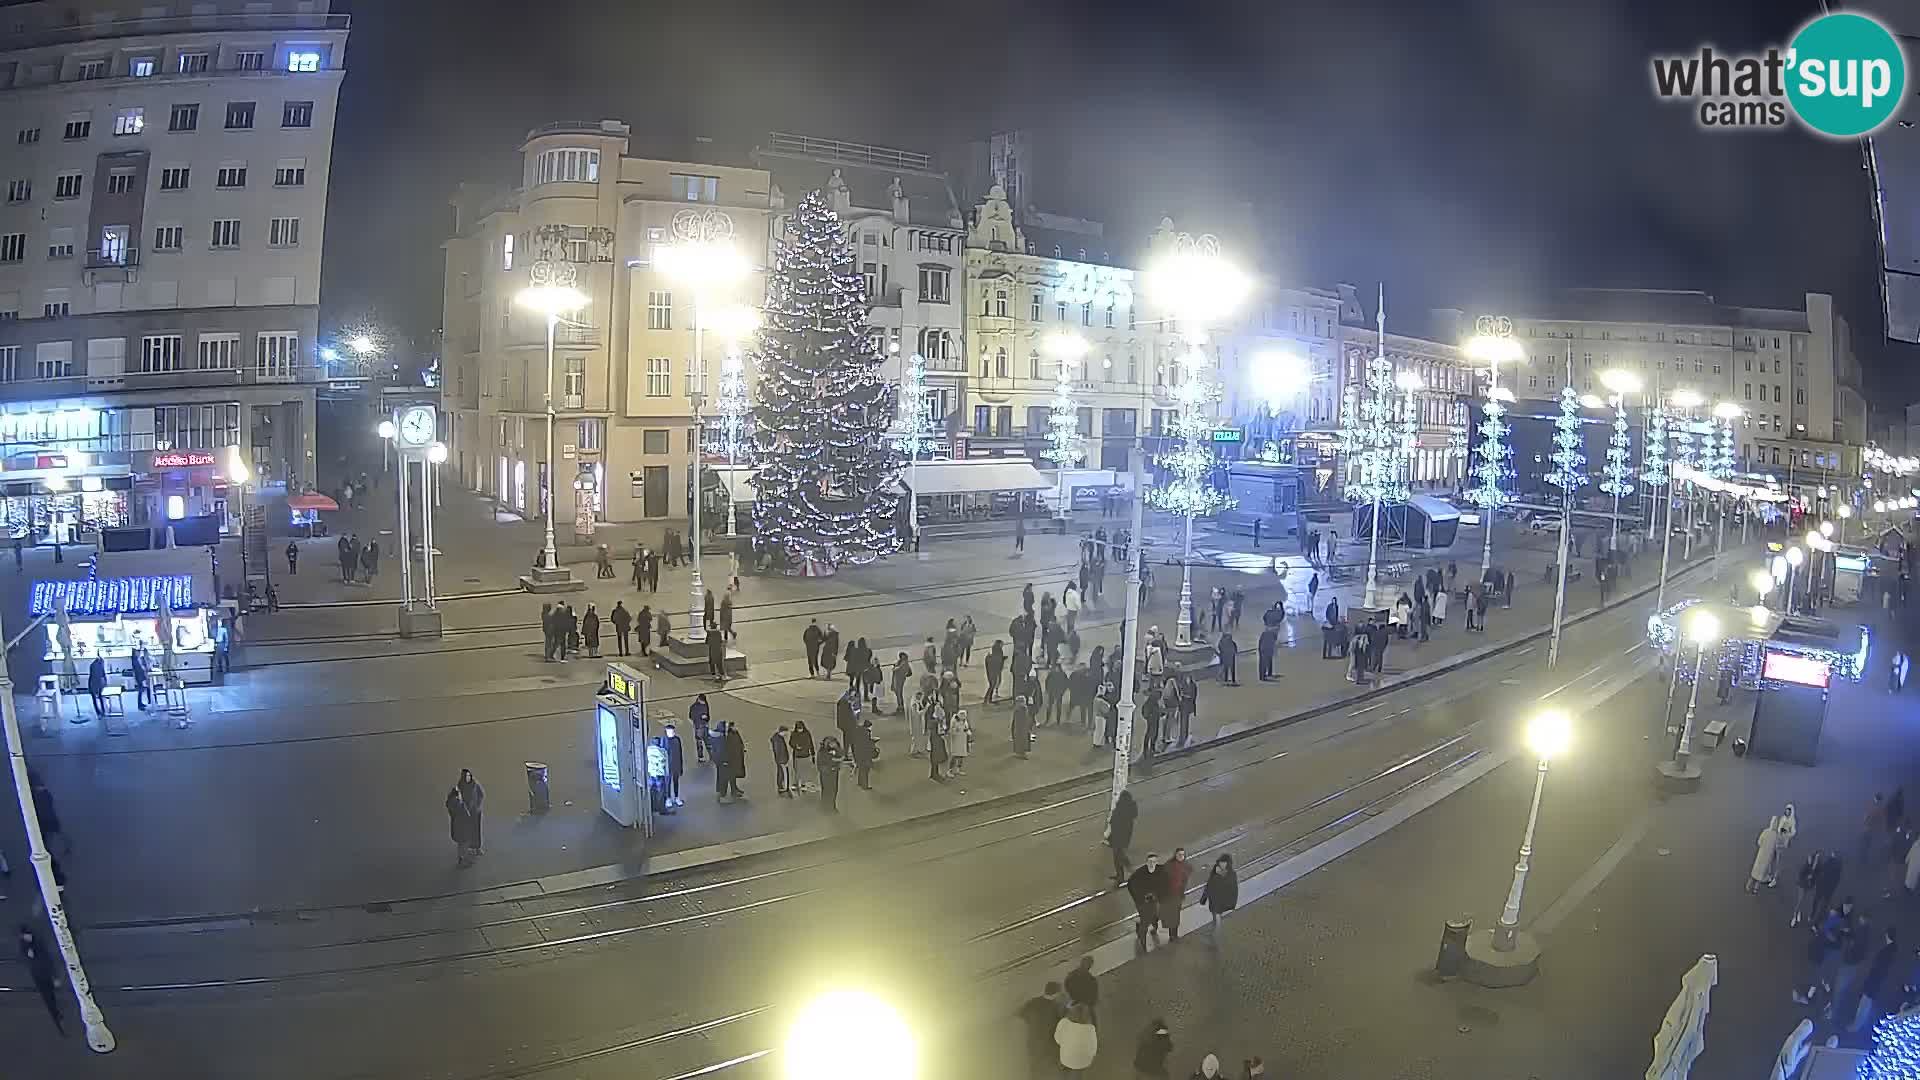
column 553, row 294
column 1504, row 956
column 1492, row 344
column 1569, row 475
column 1618, row 473
column 1680, row 773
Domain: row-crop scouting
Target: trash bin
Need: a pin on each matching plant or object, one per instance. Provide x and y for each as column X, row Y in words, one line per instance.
column 1453, row 947
column 539, row 796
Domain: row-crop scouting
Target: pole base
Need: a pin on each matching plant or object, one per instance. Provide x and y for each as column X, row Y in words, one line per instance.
column 1676, row 779
column 558, row 579
column 689, row 658
column 1494, row 968
column 1194, row 657
column 419, row 622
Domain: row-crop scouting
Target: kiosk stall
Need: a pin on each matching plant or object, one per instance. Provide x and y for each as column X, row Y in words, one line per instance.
column 1798, row 666
column 108, row 617
column 631, row 766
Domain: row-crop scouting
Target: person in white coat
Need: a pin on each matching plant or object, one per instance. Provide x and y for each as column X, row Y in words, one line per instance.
column 1079, row 1042
column 1440, row 607
column 959, row 743
column 1772, row 846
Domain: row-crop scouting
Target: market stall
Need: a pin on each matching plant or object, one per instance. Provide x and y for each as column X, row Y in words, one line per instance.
column 110, row 617
column 305, row 510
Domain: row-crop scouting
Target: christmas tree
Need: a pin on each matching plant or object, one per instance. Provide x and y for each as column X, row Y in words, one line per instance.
column 823, row 492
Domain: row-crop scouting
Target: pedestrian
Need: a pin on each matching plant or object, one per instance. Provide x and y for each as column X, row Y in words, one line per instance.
column 571, row 624
column 39, row 961
column 1221, row 893
column 936, row 748
column 1873, row 985
column 97, row 686
column 1773, row 843
column 643, row 622
column 142, row 675
column 639, row 568
column 1120, row 833
column 699, row 715
column 1229, row 651
column 665, row 624
column 864, row 749
column 996, row 665
column 1826, row 884
column 1269, row 645
column 1019, row 533
column 1856, row 945
column 830, row 650
column 856, row 663
column 1217, row 604
column 782, row 763
column 1156, row 1043
column 1040, row 1015
column 370, row 560
column 1805, row 879
column 1440, row 607
column 622, row 622
column 717, row 753
column 707, row 620
column 871, row 681
column 736, row 760
column 1209, row 1069
column 1056, row 689
column 1078, row 1041
column 967, row 632
column 1506, row 595
column 726, row 617
column 676, row 764
column 1147, row 886
column 590, row 630
column 475, row 798
column 810, row 644
column 603, row 563
column 1022, row 726
column 717, row 656
column 959, row 743
column 801, row 743
column 293, row 557
column 1480, row 607
column 829, row 774
column 459, row 827
column 1178, row 871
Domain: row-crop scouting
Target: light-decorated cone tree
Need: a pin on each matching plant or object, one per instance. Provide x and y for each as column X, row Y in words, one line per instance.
column 823, row 495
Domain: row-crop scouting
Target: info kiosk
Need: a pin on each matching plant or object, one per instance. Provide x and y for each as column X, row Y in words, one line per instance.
column 1799, row 663
column 630, row 763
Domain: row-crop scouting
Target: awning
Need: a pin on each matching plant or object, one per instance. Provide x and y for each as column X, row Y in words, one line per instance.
column 980, row 475
column 312, row 500
column 1435, row 509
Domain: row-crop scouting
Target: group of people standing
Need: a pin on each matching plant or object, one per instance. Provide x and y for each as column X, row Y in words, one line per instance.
column 357, row 562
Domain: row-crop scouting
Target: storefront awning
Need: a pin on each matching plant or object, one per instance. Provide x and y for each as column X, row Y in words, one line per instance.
column 312, row 500
column 970, row 477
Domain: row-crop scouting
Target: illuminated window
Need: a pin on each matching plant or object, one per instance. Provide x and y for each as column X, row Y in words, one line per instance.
column 303, row 60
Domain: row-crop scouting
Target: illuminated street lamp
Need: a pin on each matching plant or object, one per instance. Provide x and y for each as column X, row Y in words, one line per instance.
column 1843, row 512
column 818, row 1046
column 1795, row 557
column 1681, row 774
column 1276, row 378
column 1492, row 344
column 552, row 295
column 1762, row 583
column 1548, row 736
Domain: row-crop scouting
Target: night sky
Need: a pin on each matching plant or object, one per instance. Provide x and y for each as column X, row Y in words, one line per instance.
column 1467, row 153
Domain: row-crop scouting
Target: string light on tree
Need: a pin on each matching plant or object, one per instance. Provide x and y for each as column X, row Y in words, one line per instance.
column 1656, row 476
column 1569, row 472
column 1617, row 475
column 1066, row 447
column 1492, row 344
column 1896, row 1049
column 823, row 493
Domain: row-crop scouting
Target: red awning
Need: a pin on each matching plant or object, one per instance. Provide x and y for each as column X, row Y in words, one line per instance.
column 312, row 500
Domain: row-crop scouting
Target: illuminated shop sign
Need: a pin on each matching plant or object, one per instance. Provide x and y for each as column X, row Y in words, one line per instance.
column 184, row 459
column 1800, row 670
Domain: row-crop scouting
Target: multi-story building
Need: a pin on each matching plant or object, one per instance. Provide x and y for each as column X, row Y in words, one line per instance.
column 1792, row 371
column 160, row 249
column 625, row 372
column 909, row 245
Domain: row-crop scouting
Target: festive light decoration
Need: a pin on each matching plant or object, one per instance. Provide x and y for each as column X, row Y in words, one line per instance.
column 110, row 596
column 1456, row 446
column 730, row 438
column 1191, row 462
column 1896, row 1049
column 1492, row 466
column 913, row 432
column 1373, row 439
column 1569, row 472
column 1723, row 462
column 1617, row 475
column 1066, row 447
column 824, row 488
column 1744, row 654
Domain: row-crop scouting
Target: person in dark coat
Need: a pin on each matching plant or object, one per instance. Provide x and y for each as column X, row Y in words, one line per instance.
column 676, row 765
column 590, row 630
column 804, row 759
column 902, row 672
column 864, row 750
column 142, row 676
column 1269, row 645
column 782, row 763
column 936, row 750
column 1039, row 1016
column 39, row 961
column 856, row 663
column 643, row 622
column 1221, row 893
column 475, row 797
column 1120, row 834
column 930, row 656
column 569, row 631
column 1873, row 984
column 1022, row 726
column 996, row 666
column 459, row 827
column 726, row 617
column 293, row 559
column 717, row 656
column 1057, row 686
column 717, row 753
column 1156, row 1043
column 830, row 774
column 700, row 714
column 97, row 685
column 549, row 629
column 830, row 650
column 736, row 761
column 370, row 560
column 622, row 621
column 810, row 643
column 665, row 624
column 846, row 717
column 707, row 619
column 1229, row 651
column 1147, row 885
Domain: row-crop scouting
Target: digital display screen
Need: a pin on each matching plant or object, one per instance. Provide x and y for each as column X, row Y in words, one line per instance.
column 1800, row 670
column 607, row 727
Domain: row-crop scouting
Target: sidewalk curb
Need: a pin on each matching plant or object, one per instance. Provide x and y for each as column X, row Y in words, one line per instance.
column 713, row 855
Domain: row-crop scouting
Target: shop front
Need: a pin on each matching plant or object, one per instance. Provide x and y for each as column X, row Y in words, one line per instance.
column 63, row 498
column 171, row 486
column 975, row 490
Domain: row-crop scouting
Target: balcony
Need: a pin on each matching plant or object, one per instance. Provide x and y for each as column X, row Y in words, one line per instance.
column 888, row 298
column 564, row 337
column 111, row 264
column 953, row 365
column 80, row 382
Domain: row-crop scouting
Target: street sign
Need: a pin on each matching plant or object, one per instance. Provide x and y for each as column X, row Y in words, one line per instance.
column 1228, row 435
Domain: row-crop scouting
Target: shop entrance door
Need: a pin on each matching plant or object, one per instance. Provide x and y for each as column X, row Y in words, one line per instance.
column 654, row 492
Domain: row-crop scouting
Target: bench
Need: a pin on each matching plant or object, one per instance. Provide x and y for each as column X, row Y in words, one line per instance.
column 1714, row 733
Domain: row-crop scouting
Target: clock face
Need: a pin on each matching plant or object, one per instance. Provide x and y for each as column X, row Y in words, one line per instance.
column 417, row 426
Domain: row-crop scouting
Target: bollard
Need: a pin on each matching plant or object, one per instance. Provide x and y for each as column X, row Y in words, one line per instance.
column 539, row 794
column 1453, row 947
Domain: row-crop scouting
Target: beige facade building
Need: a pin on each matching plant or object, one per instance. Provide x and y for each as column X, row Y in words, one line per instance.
column 625, row 370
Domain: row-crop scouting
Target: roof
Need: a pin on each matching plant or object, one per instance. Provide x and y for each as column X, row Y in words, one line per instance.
column 1661, row 307
column 1099, row 249
column 930, row 197
column 978, row 475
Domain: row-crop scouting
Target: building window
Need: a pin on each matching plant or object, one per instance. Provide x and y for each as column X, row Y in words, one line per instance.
column 231, row 176
column 1799, row 397
column 593, row 434
column 159, row 352
column 57, row 309
column 506, row 251
column 173, row 179
column 278, row 356
column 168, row 237
column 1776, row 395
column 659, row 377
column 654, row 442
column 687, row 188
column 13, row 247
column 53, row 359
column 28, row 136
column 575, row 384
column 870, row 279
column 226, row 233
column 934, row 282
column 1060, row 310
column 303, row 60
column 1748, row 391
column 659, row 311
column 250, row 60
column 283, row 232
column 130, row 121
column 292, row 173
column 1000, row 363
column 239, row 115
column 696, row 376
column 191, row 63
column 1086, row 313
column 140, row 67
column 60, row 243
column 219, row 352
column 567, row 165
column 1033, row 306
column 92, row 69
column 1000, row 303
column 9, row 362
column 120, row 181
column 78, row 128
column 296, row 114
column 1110, row 309
column 19, row 191
column 184, row 118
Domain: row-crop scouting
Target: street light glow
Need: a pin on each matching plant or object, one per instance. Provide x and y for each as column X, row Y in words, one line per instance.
column 1795, row 556
column 701, row 263
column 1844, row 511
column 1548, row 733
column 734, row 322
column 1591, row 401
column 1493, row 350
column 849, row 1035
column 330, row 355
column 237, row 470
column 551, row 300
column 1063, row 345
column 1703, row 628
column 1277, row 376
column 1621, row 381
column 1727, row 410
column 1410, row 381
column 437, row 453
column 1761, row 581
column 1826, row 528
column 1196, row 287
column 362, row 344
column 1879, row 506
column 1684, row 398
column 385, row 430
